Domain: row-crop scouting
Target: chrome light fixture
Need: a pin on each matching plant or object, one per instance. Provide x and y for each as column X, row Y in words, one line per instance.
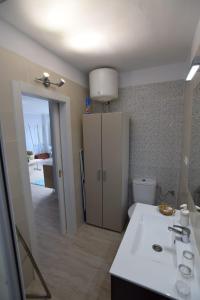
column 61, row 82
column 193, row 68
column 47, row 83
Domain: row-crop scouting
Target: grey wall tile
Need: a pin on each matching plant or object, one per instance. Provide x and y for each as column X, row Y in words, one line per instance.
column 156, row 127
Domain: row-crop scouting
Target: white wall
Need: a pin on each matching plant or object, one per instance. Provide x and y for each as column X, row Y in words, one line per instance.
column 158, row 74
column 18, row 42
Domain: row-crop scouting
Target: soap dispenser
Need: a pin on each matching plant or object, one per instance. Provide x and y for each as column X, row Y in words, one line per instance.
column 184, row 215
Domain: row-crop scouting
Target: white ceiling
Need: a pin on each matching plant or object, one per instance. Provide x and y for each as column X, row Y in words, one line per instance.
column 125, row 34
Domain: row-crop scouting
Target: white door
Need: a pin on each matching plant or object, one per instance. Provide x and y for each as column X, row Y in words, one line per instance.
column 112, row 174
column 57, row 162
column 93, row 165
column 11, row 283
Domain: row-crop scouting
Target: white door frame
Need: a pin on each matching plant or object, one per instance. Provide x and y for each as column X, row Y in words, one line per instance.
column 54, row 112
column 19, row 89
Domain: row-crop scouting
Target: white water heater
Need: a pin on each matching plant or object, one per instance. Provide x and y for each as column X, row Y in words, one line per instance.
column 103, row 84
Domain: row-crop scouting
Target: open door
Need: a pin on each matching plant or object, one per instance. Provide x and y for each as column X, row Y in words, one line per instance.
column 11, row 282
column 57, row 161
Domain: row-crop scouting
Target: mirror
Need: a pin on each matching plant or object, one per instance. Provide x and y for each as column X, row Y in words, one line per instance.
column 194, row 166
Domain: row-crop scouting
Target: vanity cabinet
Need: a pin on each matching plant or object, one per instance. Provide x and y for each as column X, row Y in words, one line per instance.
column 122, row 289
column 106, row 157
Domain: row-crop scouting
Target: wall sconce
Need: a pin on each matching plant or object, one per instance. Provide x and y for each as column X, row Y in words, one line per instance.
column 47, row 83
column 193, row 68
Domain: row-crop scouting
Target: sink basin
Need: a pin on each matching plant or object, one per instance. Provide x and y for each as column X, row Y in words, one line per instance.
column 138, row 263
column 153, row 230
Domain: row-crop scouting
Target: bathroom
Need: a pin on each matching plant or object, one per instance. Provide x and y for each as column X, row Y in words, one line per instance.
column 48, row 50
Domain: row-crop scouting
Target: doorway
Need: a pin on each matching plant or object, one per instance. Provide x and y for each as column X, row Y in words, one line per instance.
column 41, row 162
column 62, row 154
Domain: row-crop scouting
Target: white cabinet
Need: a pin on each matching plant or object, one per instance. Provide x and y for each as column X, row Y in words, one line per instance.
column 106, row 157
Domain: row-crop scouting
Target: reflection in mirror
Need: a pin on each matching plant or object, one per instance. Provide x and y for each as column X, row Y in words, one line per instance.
column 194, row 167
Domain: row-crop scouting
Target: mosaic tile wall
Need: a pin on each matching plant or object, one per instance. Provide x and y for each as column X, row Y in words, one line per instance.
column 156, row 127
column 194, row 166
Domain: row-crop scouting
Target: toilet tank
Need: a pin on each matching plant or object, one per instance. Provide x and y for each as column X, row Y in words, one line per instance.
column 144, row 190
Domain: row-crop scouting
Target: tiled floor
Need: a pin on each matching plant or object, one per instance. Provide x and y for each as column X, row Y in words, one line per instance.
column 75, row 268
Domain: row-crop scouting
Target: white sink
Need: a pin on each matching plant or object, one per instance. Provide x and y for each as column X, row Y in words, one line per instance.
column 137, row 262
column 153, row 230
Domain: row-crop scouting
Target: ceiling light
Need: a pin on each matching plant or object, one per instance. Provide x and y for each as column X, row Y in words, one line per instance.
column 46, row 75
column 86, row 41
column 54, row 16
column 194, row 68
column 61, row 82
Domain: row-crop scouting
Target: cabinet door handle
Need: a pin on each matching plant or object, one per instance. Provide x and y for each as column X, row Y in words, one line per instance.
column 99, row 175
column 104, row 175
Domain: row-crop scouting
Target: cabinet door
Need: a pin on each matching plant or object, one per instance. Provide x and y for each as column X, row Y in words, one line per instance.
column 93, row 169
column 112, row 175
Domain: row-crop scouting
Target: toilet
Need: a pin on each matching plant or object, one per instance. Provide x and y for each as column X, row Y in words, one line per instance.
column 143, row 191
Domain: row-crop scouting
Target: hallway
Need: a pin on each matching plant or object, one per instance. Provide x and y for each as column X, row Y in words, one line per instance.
column 46, row 214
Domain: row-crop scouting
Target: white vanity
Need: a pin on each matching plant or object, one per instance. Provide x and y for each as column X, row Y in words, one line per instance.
column 149, row 261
